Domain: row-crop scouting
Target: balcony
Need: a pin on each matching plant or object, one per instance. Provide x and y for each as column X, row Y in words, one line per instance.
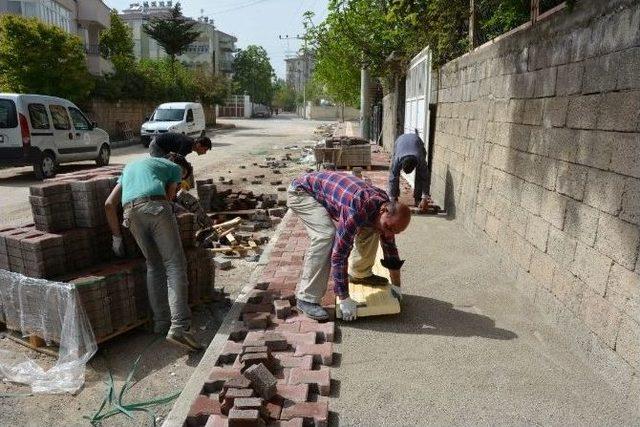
column 96, row 64
column 94, row 12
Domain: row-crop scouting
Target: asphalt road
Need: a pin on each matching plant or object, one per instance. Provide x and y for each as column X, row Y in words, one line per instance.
column 251, row 140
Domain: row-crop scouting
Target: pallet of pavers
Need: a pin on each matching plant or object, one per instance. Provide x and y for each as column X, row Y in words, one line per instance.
column 70, row 242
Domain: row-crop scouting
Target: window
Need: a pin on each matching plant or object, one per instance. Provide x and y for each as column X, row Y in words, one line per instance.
column 168, row 115
column 80, row 122
column 38, row 116
column 14, row 7
column 8, row 116
column 189, row 115
column 60, row 117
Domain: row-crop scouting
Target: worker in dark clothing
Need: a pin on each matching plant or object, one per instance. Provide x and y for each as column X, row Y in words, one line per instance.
column 178, row 143
column 409, row 154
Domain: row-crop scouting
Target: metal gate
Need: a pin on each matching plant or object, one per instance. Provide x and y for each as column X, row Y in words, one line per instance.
column 418, row 92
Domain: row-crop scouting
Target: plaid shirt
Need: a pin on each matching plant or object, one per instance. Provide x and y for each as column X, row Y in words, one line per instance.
column 353, row 204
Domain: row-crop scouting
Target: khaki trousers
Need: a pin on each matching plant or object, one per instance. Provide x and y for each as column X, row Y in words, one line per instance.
column 321, row 231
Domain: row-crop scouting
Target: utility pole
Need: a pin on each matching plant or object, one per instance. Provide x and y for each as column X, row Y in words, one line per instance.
column 304, row 72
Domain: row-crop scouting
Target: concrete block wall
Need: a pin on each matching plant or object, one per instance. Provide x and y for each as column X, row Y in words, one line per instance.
column 537, row 152
column 107, row 114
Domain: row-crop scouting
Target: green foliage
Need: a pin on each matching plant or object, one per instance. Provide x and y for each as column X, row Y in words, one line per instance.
column 116, row 43
column 173, row 32
column 160, row 80
column 254, row 75
column 284, row 97
column 40, row 58
column 496, row 17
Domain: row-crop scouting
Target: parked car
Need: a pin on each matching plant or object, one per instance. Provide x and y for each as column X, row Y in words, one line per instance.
column 46, row 131
column 178, row 117
column 261, row 111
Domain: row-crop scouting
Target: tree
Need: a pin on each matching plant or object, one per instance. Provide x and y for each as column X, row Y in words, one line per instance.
column 284, row 97
column 254, row 74
column 116, row 43
column 40, row 58
column 173, row 32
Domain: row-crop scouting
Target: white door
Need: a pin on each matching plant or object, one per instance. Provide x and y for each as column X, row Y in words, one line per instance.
column 86, row 141
column 418, row 92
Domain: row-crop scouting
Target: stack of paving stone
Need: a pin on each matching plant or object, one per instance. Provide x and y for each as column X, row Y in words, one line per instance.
column 206, row 190
column 88, row 200
column 79, row 250
column 200, row 274
column 94, row 297
column 51, row 206
column 270, row 342
column 33, row 253
column 187, row 226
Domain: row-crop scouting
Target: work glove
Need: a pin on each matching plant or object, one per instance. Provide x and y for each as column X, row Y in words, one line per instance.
column 396, row 292
column 118, row 246
column 349, row 309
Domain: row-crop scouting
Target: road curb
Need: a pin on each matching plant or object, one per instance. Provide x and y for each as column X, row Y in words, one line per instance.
column 178, row 414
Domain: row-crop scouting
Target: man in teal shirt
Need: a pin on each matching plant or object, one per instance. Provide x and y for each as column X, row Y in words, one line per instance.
column 145, row 190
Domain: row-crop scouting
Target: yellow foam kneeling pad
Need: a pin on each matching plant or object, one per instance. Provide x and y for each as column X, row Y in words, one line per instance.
column 372, row 300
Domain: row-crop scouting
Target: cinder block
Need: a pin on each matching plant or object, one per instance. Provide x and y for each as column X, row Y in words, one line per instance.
column 628, row 342
column 604, row 191
column 538, row 232
column 591, row 267
column 595, row 148
column 625, row 157
column 545, row 84
column 569, row 79
column 619, row 111
column 568, row 289
column 581, row 222
column 561, row 247
column 631, row 201
column 571, row 180
column 554, row 112
column 542, row 268
column 628, row 76
column 583, row 111
column 618, row 240
column 600, row 316
column 532, row 114
column 553, row 207
column 623, row 290
column 562, row 144
column 600, row 73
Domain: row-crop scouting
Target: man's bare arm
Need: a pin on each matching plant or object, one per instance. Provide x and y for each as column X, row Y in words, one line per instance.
column 111, row 208
column 171, row 191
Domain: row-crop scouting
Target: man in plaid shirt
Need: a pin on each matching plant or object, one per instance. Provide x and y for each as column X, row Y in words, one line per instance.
column 341, row 213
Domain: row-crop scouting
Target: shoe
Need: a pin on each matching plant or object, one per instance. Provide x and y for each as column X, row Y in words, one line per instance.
column 184, row 339
column 313, row 311
column 372, row 280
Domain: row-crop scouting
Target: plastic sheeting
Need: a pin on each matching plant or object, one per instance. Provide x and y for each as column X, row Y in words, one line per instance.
column 52, row 311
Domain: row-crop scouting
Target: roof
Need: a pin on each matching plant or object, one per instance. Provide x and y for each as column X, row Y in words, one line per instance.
column 176, row 105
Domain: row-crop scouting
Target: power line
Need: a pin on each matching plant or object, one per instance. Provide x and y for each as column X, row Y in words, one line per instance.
column 238, row 7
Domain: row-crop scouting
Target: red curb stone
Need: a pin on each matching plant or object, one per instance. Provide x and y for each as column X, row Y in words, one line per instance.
column 245, row 418
column 238, row 382
column 273, row 410
column 288, row 360
column 286, row 327
column 299, row 339
column 256, row 320
column 248, row 403
column 274, row 340
column 293, row 392
column 218, row 376
column 250, row 359
column 322, row 353
column 217, row 421
column 256, row 308
column 318, row 412
column 200, row 410
column 299, row 317
column 295, row 422
column 230, row 351
column 325, row 331
column 320, row 379
column 237, row 331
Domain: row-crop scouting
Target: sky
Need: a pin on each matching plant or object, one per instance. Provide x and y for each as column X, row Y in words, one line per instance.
column 254, row 21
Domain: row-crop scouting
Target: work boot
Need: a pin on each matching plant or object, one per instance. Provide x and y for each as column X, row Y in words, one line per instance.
column 312, row 310
column 184, row 339
column 372, row 280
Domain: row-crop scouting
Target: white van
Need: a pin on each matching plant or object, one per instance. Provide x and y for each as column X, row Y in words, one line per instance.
column 178, row 117
column 45, row 131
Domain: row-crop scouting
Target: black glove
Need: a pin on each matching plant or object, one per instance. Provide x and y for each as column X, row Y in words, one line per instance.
column 392, row 263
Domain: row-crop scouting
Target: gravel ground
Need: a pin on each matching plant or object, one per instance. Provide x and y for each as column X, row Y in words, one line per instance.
column 164, row 369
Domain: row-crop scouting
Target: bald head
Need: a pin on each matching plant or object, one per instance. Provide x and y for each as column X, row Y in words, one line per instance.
column 394, row 218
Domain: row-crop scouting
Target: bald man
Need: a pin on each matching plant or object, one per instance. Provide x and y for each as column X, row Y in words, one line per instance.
column 364, row 217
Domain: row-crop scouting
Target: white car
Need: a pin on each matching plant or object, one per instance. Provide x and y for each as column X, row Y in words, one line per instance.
column 186, row 118
column 45, row 131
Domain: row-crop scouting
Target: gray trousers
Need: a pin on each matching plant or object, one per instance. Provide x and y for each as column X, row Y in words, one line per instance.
column 155, row 229
column 321, row 231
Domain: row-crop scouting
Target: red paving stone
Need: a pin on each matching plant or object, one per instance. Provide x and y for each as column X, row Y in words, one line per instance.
column 299, row 350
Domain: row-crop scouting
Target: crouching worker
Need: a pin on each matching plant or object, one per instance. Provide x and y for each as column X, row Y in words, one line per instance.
column 145, row 190
column 365, row 216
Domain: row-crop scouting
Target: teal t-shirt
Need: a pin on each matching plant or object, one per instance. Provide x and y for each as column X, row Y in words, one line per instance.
column 148, row 177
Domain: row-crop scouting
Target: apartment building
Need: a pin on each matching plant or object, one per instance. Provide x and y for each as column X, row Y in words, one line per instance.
column 212, row 51
column 299, row 70
column 86, row 18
